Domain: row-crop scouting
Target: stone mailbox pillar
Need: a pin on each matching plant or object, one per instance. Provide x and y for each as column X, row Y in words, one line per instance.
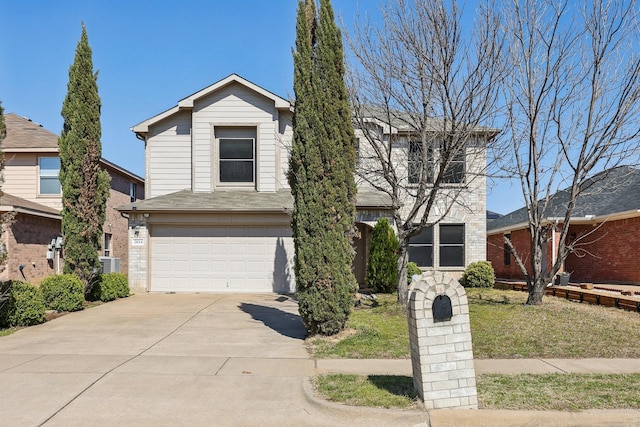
column 440, row 335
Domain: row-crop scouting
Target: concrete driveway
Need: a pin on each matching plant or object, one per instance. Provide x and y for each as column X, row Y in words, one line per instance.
column 170, row 359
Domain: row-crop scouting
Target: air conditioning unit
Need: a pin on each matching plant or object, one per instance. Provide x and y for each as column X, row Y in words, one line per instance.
column 110, row 265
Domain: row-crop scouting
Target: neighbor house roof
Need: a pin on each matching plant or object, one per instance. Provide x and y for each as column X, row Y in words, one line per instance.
column 238, row 201
column 10, row 203
column 612, row 194
column 393, row 121
column 24, row 135
column 27, row 136
column 188, row 102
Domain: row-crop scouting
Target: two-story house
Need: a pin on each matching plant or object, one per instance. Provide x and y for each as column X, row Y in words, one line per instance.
column 217, row 216
column 31, row 192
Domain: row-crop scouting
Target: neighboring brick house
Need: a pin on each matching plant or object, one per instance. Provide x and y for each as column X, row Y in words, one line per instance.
column 31, row 192
column 218, row 214
column 608, row 211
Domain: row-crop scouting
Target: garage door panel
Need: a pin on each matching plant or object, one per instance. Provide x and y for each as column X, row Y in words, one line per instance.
column 201, row 259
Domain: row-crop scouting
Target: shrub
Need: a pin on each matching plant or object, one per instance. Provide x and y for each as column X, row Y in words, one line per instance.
column 25, row 306
column 382, row 266
column 110, row 286
column 478, row 274
column 63, row 292
column 412, row 269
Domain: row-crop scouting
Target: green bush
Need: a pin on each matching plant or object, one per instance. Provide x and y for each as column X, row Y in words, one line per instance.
column 382, row 265
column 24, row 307
column 412, row 269
column 63, row 292
column 478, row 274
column 110, row 286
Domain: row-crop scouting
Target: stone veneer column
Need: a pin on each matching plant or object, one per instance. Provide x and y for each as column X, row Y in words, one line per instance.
column 138, row 244
column 441, row 353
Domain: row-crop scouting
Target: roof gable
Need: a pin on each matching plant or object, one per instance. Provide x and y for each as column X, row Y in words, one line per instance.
column 189, row 101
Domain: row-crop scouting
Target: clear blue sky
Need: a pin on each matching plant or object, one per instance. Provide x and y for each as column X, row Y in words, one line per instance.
column 150, row 54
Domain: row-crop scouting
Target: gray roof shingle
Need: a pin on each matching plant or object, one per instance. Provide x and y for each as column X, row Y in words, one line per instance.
column 241, row 201
column 610, row 192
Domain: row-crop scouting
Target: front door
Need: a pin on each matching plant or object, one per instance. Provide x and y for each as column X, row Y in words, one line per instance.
column 361, row 246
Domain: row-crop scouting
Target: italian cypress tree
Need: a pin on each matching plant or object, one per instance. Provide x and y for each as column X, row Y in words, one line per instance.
column 85, row 186
column 321, row 175
column 3, row 126
column 382, row 267
column 6, row 217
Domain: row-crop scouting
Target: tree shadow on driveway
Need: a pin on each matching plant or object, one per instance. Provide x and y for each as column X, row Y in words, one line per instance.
column 287, row 324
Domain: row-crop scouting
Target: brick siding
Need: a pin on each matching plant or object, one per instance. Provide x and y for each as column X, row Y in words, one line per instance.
column 610, row 253
column 28, row 238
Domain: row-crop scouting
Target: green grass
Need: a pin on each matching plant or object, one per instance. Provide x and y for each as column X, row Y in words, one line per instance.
column 562, row 392
column 383, row 391
column 501, row 327
column 375, row 331
column 7, row 331
column 559, row 392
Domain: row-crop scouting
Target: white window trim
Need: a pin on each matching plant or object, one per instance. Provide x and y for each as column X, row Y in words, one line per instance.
column 40, row 176
column 215, row 161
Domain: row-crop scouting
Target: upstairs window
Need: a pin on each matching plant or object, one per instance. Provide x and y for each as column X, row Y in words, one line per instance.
column 456, row 170
column 451, row 245
column 416, row 162
column 237, row 160
column 49, row 170
column 421, row 248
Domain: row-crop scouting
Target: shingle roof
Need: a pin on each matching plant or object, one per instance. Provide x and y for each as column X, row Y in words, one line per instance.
column 242, row 201
column 608, row 193
column 405, row 122
column 23, row 204
column 23, row 134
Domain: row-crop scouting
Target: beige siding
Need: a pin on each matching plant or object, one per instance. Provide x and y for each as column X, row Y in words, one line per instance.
column 168, row 155
column 21, row 179
column 234, row 105
column 284, row 147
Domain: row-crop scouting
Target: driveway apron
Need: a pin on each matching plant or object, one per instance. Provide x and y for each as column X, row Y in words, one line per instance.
column 168, row 359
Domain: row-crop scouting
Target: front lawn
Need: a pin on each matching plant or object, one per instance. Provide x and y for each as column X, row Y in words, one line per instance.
column 501, row 327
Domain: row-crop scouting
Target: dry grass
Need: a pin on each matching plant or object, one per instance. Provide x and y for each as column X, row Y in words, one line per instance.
column 501, row 327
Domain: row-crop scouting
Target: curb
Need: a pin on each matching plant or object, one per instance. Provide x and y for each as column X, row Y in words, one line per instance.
column 364, row 416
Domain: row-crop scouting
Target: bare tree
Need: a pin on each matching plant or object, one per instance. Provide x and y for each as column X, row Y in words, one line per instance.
column 423, row 91
column 572, row 100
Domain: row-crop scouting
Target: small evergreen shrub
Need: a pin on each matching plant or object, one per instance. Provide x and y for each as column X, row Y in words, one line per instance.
column 110, row 286
column 478, row 274
column 63, row 292
column 412, row 269
column 25, row 306
column 382, row 265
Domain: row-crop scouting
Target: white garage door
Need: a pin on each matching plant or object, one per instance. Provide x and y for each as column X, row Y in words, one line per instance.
column 218, row 259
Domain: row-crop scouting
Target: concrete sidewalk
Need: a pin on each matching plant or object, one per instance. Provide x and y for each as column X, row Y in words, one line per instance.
column 486, row 366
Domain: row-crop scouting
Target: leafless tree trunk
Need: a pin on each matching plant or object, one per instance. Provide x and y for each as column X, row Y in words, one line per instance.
column 572, row 98
column 424, row 92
